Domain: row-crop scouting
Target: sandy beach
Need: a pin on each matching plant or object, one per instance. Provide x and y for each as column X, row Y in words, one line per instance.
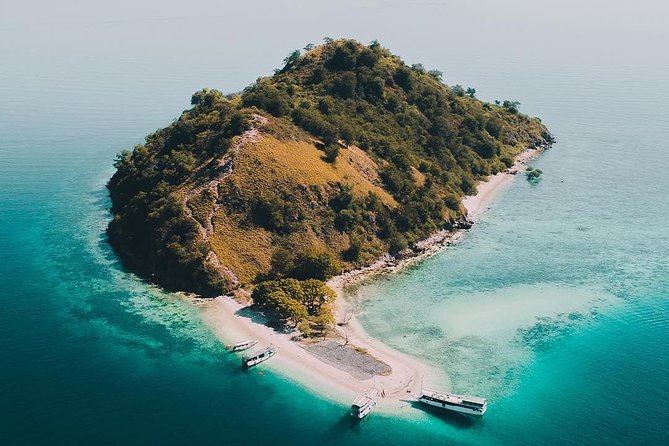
column 487, row 190
column 331, row 375
column 295, row 362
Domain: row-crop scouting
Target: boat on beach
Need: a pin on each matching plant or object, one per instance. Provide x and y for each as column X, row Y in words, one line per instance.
column 470, row 405
column 258, row 357
column 364, row 404
column 241, row 346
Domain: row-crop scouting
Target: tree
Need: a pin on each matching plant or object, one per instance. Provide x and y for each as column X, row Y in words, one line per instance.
column 354, row 248
column 344, row 85
column 315, row 265
column 458, row 90
column 323, row 319
column 511, row 106
column 268, row 97
column 206, row 98
column 293, row 288
column 270, row 213
column 295, row 300
column 284, row 307
column 331, row 152
column 282, row 299
column 291, row 59
column 397, row 243
column 123, row 160
column 344, row 58
column 296, row 311
column 471, row 92
column 282, row 261
column 316, row 294
column 436, row 74
column 367, row 58
column 404, row 78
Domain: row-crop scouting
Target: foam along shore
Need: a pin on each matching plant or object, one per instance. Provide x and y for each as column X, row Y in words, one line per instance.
column 340, row 380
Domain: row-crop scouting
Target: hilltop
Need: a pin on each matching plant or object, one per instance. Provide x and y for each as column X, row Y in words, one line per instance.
column 344, row 154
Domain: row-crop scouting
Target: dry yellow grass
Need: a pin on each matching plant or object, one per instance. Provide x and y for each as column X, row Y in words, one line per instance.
column 270, row 163
column 245, row 250
column 418, row 177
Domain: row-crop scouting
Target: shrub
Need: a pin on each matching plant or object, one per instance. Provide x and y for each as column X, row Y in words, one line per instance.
column 458, row 90
column 397, row 243
column 331, row 152
column 268, row 97
column 344, row 85
column 315, row 265
column 533, row 175
column 290, row 299
column 404, row 78
column 344, row 58
column 354, row 249
column 511, row 106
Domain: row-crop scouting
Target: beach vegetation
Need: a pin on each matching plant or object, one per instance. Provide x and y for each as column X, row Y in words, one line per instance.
column 296, row 301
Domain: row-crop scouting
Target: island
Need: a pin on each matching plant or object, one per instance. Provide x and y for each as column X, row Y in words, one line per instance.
column 344, row 162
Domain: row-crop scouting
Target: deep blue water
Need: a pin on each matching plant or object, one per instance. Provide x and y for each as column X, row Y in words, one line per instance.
column 555, row 305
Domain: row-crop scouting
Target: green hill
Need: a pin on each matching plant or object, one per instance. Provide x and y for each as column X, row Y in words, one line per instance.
column 343, row 154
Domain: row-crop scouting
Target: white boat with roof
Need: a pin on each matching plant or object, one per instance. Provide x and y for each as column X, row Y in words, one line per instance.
column 470, row 405
column 258, row 357
column 364, row 404
column 241, row 346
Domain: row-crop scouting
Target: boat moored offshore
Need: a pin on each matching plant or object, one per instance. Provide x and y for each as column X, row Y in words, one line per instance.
column 471, row 405
column 258, row 357
column 364, row 404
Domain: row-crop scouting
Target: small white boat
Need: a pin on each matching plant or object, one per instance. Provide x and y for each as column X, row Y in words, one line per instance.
column 258, row 357
column 364, row 404
column 471, row 405
column 241, row 346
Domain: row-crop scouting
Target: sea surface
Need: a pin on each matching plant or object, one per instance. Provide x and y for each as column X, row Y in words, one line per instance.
column 555, row 305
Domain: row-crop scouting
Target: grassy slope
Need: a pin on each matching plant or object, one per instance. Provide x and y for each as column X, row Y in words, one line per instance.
column 294, row 168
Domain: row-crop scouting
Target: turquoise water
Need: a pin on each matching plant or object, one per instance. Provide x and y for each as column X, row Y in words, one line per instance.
column 555, row 305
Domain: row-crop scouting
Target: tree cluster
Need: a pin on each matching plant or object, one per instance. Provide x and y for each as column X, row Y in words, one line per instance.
column 304, row 303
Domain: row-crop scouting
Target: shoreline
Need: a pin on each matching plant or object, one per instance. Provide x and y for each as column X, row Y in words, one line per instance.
column 486, row 192
column 293, row 361
column 228, row 320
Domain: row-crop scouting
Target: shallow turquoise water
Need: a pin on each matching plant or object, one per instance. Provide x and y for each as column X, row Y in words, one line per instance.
column 555, row 305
